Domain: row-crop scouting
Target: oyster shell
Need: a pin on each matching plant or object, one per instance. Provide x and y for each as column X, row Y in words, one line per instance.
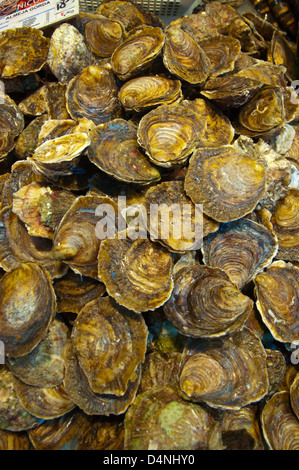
column 294, row 395
column 222, row 52
column 44, row 366
column 137, row 272
column 240, row 429
column 242, row 248
column 13, row 416
column 35, row 104
column 127, row 12
column 149, row 91
column 114, row 149
column 27, row 140
column 68, row 53
column 92, row 94
column 25, row 314
column 56, row 101
column 231, row 182
column 11, row 125
column 109, row 344
column 10, row 440
column 204, row 303
column 279, row 423
column 226, row 373
column 103, row 433
column 168, row 134
column 191, row 426
column 184, row 57
column 103, row 35
column 137, row 52
column 23, row 50
column 277, row 299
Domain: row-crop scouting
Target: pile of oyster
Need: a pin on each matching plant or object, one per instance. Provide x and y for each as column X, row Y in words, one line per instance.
column 141, row 339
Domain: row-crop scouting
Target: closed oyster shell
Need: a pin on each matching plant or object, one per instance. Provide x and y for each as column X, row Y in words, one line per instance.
column 27, row 140
column 73, row 291
column 10, row 440
column 140, row 93
column 137, row 272
column 56, row 101
column 204, row 303
column 103, row 433
column 109, row 343
column 228, row 183
column 23, row 50
column 226, row 373
column 25, row 314
column 277, row 299
column 294, row 395
column 68, row 53
column 127, row 12
column 44, row 403
column 168, row 134
column 241, row 248
column 137, row 51
column 79, row 390
column 241, row 430
column 35, row 104
column 191, row 426
column 114, row 149
column 103, row 35
column 222, row 52
column 92, row 94
column 44, row 365
column 76, row 242
column 184, row 57
column 280, row 425
column 11, row 124
column 13, row 416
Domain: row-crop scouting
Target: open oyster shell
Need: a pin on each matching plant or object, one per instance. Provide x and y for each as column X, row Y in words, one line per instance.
column 109, row 343
column 114, row 149
column 226, row 373
column 184, row 57
column 23, row 50
column 228, row 183
column 137, row 272
column 241, row 248
column 144, row 92
column 137, row 51
column 92, row 94
column 204, row 303
column 191, row 426
column 25, row 313
column 279, row 423
column 277, row 299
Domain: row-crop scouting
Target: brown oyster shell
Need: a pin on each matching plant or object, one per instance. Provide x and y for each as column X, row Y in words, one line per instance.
column 56, row 101
column 277, row 299
column 137, row 52
column 204, row 303
column 53, row 434
column 181, row 225
column 27, row 140
column 109, row 344
column 92, row 94
column 92, row 403
column 241, row 430
column 44, row 365
column 192, row 426
column 114, row 149
column 294, row 395
column 231, row 182
column 73, row 291
column 68, row 53
column 11, row 124
column 103, row 35
column 277, row 367
column 127, row 12
column 13, row 416
column 226, row 373
column 35, row 104
column 293, row 152
column 168, row 134
column 222, row 52
column 279, row 423
column 10, row 440
column 41, row 208
column 23, row 50
column 241, row 248
column 25, row 314
column 184, row 57
column 18, row 246
column 44, row 403
column 160, row 369
column 57, row 157
column 144, row 92
column 137, row 272
column 199, row 25
column 103, row 433
column 75, row 241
